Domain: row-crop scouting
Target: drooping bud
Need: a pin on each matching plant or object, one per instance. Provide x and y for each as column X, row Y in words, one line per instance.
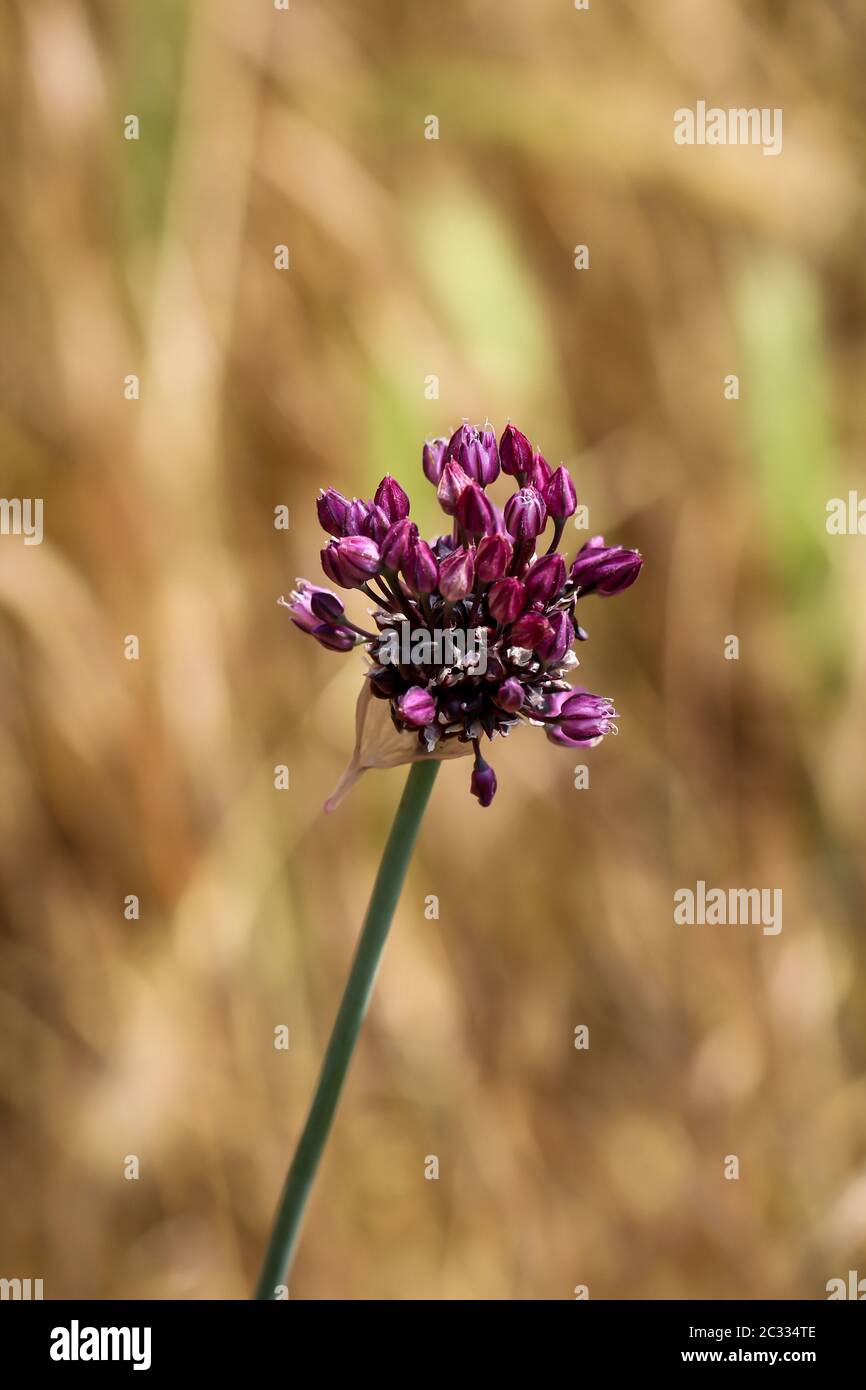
column 515, row 452
column 456, row 575
column 560, row 496
column 416, row 707
column 605, row 569
column 545, row 579
column 398, row 543
column 539, row 473
column 525, row 514
column 492, row 558
column 483, row 781
column 420, row 569
column 506, row 600
column 509, row 696
column 392, row 499
column 433, row 459
column 331, row 508
column 475, row 512
column 452, row 485
column 580, row 717
column 553, row 646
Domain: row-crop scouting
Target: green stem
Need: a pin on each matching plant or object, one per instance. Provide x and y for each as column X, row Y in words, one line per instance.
column 356, row 997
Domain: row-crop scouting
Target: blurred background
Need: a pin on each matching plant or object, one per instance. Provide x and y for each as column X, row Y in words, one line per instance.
column 413, row 258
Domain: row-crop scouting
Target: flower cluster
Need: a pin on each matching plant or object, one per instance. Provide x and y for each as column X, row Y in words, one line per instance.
column 486, row 582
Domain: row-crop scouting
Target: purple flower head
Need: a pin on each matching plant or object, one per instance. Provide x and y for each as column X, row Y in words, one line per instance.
column 525, row 514
column 433, row 459
column 481, row 582
column 392, row 499
column 416, row 707
column 492, row 558
column 452, row 485
column 560, row 496
column 457, row 575
column 515, row 452
column 544, row 580
column 605, row 569
column 475, row 512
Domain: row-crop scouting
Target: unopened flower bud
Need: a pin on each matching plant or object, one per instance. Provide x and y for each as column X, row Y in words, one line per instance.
column 559, row 495
column 506, row 600
column 483, row 781
column 457, row 575
column 433, row 459
column 475, row 512
column 397, row 544
column 515, row 452
column 545, row 579
column 509, row 696
column 605, row 569
column 416, row 707
column 420, row 569
column 392, row 499
column 492, row 558
column 555, row 644
column 331, row 507
column 452, row 485
column 525, row 514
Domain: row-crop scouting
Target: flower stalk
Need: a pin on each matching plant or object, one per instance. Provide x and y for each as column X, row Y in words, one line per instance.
column 344, row 1036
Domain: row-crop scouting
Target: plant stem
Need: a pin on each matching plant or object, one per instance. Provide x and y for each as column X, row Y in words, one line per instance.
column 356, row 997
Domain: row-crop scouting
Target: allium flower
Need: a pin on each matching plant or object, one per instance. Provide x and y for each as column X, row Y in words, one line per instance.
column 482, row 582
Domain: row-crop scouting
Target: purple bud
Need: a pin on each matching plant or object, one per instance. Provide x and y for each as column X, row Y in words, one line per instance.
column 560, row 496
column 492, row 558
column 605, row 569
column 509, row 696
column 545, row 579
column 397, row 544
column 433, row 459
column 452, row 484
column 325, row 606
column 392, row 499
column 420, row 569
column 456, row 575
column 350, row 562
column 515, row 452
column 506, row 600
column 332, row 507
column 552, row 648
column 525, row 514
column 580, row 717
column 416, row 707
column 375, row 524
column 462, row 435
column 483, row 781
column 529, row 630
column 478, row 456
column 336, row 639
column 539, row 473
column 475, row 512
column 356, row 514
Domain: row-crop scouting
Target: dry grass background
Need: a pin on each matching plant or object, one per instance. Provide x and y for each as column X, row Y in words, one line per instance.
column 155, row 777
